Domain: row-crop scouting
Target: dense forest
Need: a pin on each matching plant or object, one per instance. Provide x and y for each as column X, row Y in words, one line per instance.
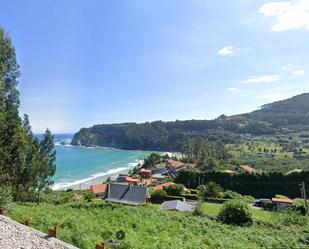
column 291, row 114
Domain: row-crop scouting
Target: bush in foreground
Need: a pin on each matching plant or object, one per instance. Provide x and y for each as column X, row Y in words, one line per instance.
column 235, row 212
column 176, row 189
column 158, row 195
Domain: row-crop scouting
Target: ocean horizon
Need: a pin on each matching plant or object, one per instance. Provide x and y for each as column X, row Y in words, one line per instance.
column 78, row 165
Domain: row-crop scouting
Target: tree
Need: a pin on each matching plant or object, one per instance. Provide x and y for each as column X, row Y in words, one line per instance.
column 31, row 153
column 208, row 164
column 235, row 212
column 24, row 162
column 152, row 160
column 45, row 166
column 211, row 189
column 12, row 135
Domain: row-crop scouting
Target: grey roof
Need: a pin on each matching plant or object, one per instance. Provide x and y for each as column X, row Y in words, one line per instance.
column 126, row 194
column 176, row 205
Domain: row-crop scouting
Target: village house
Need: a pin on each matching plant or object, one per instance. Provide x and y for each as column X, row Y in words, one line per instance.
column 145, row 173
column 162, row 186
column 160, row 169
column 282, row 203
column 174, row 165
column 176, row 205
column 138, row 181
column 122, row 178
column 127, row 194
column 99, row 190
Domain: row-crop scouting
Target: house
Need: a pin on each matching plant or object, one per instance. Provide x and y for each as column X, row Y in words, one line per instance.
column 160, row 169
column 248, row 169
column 145, row 173
column 99, row 190
column 159, row 176
column 162, row 186
column 282, row 203
column 127, row 194
column 173, row 163
column 127, row 179
column 176, row 205
column 146, row 182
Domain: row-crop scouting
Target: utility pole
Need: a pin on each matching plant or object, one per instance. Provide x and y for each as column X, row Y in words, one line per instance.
column 303, row 191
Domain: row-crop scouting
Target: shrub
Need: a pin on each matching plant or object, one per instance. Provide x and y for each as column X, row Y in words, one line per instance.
column 198, row 211
column 228, row 194
column 235, row 212
column 176, row 189
column 88, row 196
column 158, row 195
column 247, row 198
column 290, row 217
column 299, row 206
column 269, row 206
column 5, row 196
column 193, row 191
column 211, row 189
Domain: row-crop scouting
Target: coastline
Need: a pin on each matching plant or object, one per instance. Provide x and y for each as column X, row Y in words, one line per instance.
column 85, row 181
column 96, row 180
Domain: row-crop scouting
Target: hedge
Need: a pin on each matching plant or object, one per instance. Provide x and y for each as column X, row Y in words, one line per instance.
column 216, row 200
column 172, row 198
column 259, row 185
column 191, row 196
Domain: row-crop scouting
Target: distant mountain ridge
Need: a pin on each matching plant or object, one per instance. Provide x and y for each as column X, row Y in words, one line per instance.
column 169, row 136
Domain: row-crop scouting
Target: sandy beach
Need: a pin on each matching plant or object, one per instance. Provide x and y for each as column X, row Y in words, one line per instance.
column 97, row 180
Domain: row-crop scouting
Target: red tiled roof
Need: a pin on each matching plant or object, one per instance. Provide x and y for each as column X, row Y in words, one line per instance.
column 282, row 200
column 248, row 169
column 146, row 182
column 99, row 188
column 163, row 185
column 174, row 163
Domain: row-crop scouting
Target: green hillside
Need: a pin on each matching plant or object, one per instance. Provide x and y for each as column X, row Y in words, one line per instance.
column 292, row 113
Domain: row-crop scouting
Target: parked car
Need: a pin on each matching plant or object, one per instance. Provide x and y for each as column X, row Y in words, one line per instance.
column 261, row 202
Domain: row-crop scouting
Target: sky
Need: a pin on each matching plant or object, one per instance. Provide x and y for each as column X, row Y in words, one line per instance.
column 99, row 61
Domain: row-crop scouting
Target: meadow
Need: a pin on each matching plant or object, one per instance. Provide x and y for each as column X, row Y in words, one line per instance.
column 87, row 223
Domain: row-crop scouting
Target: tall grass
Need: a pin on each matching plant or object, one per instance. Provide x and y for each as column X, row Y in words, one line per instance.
column 86, row 224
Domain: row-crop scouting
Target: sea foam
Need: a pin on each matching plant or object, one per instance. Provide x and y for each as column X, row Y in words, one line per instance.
column 64, row 185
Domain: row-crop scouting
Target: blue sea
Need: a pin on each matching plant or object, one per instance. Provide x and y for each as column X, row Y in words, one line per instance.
column 78, row 165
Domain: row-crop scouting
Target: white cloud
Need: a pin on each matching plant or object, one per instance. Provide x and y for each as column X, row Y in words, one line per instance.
column 234, row 90
column 262, row 79
column 272, row 97
column 228, row 50
column 287, row 67
column 289, row 15
column 299, row 72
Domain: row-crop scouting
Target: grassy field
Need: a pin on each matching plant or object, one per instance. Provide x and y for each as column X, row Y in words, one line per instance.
column 85, row 224
column 212, row 209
